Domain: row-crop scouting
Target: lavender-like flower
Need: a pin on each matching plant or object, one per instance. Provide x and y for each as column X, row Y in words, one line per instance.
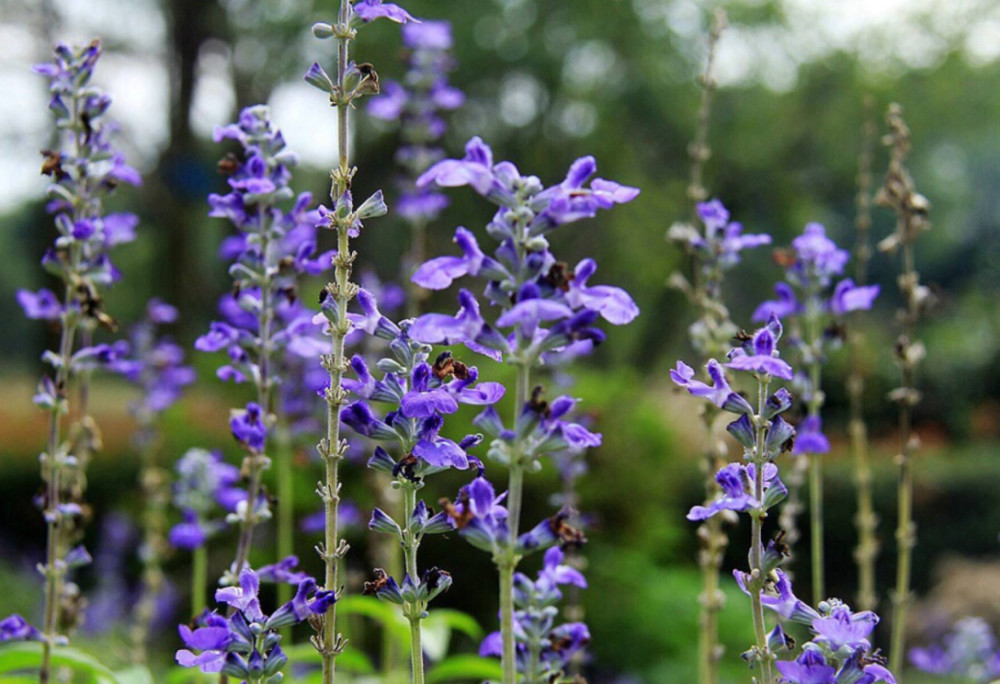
column 246, row 643
column 352, row 83
column 420, row 395
column 840, row 651
column 969, row 652
column 84, row 171
column 264, row 323
column 815, row 306
column 546, row 309
column 544, row 649
column 155, row 365
column 418, row 104
column 205, row 484
column 764, row 435
column 714, row 249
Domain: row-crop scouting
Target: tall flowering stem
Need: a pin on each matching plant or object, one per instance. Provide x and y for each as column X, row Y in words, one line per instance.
column 550, row 311
column 840, row 650
column 264, row 322
column 816, row 307
column 911, row 208
column 699, row 150
column 352, row 82
column 83, row 172
column 866, row 519
column 714, row 249
column 420, row 395
column 753, row 488
column 155, row 365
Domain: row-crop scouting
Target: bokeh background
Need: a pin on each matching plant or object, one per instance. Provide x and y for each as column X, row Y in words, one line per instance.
column 548, row 82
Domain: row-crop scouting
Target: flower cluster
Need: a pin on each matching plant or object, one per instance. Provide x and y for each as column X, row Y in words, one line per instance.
column 547, row 306
column 715, row 249
column 154, row 364
column 420, row 394
column 481, row 519
column 840, row 651
column 544, row 649
column 246, row 644
column 754, row 487
column 271, row 249
column 969, row 652
column 417, row 104
column 84, row 171
column 204, row 484
column 814, row 312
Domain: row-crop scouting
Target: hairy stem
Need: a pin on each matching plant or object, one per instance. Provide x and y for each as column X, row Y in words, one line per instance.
column 515, row 487
column 51, row 467
column 283, row 453
column 756, row 538
column 342, row 291
column 410, row 549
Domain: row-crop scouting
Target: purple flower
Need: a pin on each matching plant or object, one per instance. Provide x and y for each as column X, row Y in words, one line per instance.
column 844, row 629
column 848, row 297
column 370, row 10
column 785, row 305
column 42, row 305
column 248, row 427
column 969, row 651
column 613, row 303
column 16, row 628
column 781, row 600
column 554, row 573
column 440, row 272
column 463, row 327
column 817, row 254
column 762, row 356
column 474, row 169
column 736, row 482
column 282, row 572
column 809, row 437
column 809, row 668
column 428, row 35
column 719, row 393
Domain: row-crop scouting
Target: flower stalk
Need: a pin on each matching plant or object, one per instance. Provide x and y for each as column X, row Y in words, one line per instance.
column 911, row 208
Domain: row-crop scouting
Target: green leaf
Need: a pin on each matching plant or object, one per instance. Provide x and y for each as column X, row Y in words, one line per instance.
column 137, row 674
column 465, row 667
column 189, row 675
column 351, row 660
column 457, row 620
column 27, row 655
column 386, row 614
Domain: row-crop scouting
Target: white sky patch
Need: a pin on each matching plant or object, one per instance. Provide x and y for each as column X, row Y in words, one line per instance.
column 307, row 121
column 214, row 100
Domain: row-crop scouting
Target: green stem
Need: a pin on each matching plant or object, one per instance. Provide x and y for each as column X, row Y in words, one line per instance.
column 756, row 539
column 508, row 564
column 283, row 453
column 816, row 526
column 410, row 548
column 199, row 579
column 508, row 657
column 342, row 290
column 51, row 468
